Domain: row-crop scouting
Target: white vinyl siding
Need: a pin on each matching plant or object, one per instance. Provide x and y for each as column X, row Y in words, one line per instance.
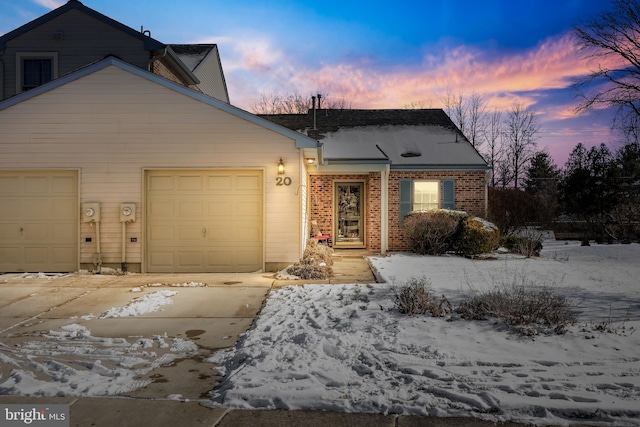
column 113, row 125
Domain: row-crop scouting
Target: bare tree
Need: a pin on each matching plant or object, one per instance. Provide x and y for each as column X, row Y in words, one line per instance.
column 521, row 128
column 612, row 39
column 294, row 103
column 493, row 149
column 469, row 114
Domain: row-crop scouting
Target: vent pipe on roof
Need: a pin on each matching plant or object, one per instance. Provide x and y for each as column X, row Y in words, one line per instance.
column 313, row 109
column 319, row 98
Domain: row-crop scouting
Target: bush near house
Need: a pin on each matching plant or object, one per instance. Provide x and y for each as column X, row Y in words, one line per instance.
column 316, row 262
column 476, row 237
column 436, row 232
column 429, row 233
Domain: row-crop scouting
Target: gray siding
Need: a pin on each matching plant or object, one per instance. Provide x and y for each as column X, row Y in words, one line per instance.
column 84, row 40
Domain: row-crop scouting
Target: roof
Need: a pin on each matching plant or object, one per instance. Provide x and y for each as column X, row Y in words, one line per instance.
column 192, row 54
column 406, row 139
column 149, row 43
column 302, row 141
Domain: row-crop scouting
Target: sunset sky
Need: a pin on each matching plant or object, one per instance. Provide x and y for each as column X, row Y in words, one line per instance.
column 382, row 54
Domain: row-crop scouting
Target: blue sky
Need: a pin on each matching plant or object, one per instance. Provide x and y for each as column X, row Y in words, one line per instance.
column 382, row 54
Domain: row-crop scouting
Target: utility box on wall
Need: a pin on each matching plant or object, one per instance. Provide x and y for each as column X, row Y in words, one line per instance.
column 91, row 212
column 127, row 212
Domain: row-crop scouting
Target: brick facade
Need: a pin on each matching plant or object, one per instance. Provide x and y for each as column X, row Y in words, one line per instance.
column 470, row 196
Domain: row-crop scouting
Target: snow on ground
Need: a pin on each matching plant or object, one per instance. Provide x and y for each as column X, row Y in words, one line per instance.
column 345, row 347
column 72, row 362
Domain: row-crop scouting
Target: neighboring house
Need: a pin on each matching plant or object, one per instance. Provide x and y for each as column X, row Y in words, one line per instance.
column 204, row 62
column 73, row 36
column 197, row 177
column 377, row 166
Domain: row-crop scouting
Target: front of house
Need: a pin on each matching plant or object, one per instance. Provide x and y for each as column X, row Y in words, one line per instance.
column 136, row 160
column 376, row 166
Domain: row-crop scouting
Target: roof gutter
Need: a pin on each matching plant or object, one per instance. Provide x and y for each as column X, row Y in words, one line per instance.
column 175, row 62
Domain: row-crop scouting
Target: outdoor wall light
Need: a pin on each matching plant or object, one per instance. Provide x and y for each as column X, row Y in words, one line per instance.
column 280, row 167
column 310, row 160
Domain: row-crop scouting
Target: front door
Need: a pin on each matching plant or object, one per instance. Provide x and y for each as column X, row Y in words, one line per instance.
column 349, row 214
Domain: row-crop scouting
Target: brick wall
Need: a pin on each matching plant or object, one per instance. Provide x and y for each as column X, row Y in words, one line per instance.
column 469, row 193
column 470, row 189
column 162, row 70
column 321, row 203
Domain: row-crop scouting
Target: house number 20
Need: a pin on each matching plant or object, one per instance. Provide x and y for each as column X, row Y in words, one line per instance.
column 283, row 181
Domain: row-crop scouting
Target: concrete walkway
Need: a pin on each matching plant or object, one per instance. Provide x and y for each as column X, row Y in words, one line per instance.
column 212, row 316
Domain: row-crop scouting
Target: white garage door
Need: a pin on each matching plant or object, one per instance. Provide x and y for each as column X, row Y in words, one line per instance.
column 204, row 221
column 38, row 221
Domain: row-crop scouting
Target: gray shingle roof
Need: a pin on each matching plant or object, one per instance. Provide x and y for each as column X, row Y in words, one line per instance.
column 425, row 138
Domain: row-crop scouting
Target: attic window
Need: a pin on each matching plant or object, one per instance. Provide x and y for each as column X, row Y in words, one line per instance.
column 410, row 153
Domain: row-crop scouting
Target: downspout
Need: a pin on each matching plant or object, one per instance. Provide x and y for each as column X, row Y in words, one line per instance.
column 98, row 249
column 155, row 58
column 123, row 263
column 384, row 209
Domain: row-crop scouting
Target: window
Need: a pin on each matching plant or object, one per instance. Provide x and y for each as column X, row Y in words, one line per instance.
column 35, row 69
column 36, row 72
column 425, row 195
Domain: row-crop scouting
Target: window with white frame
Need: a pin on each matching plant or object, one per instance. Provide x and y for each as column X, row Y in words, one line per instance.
column 426, row 195
column 34, row 69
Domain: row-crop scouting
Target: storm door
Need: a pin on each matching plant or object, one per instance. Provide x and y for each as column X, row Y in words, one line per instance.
column 349, row 214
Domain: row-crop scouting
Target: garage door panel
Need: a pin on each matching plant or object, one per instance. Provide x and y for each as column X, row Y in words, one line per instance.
column 249, row 182
column 10, row 231
column 216, row 217
column 36, row 208
column 189, row 183
column 190, row 232
column 60, row 254
column 35, row 185
column 10, row 185
column 220, row 234
column 190, row 259
column 190, row 208
column 39, row 220
column 249, row 207
column 64, row 233
column 38, row 232
column 162, row 261
column 157, row 209
column 10, row 256
column 64, row 185
column 63, row 208
column 161, row 233
column 219, row 183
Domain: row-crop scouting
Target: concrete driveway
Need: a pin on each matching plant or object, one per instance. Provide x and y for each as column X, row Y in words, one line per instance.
column 210, row 310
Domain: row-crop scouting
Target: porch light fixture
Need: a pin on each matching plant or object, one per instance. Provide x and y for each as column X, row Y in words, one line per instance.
column 280, row 167
column 310, row 160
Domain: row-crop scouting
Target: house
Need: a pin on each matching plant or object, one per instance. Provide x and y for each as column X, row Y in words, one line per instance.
column 376, row 166
column 75, row 35
column 117, row 150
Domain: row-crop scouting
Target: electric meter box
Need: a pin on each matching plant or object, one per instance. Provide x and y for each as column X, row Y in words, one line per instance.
column 127, row 212
column 91, row 212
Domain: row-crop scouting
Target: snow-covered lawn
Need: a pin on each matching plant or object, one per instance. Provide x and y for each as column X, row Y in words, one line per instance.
column 346, row 348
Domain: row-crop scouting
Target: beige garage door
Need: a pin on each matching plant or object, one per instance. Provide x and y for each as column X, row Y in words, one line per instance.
column 204, row 221
column 38, row 221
